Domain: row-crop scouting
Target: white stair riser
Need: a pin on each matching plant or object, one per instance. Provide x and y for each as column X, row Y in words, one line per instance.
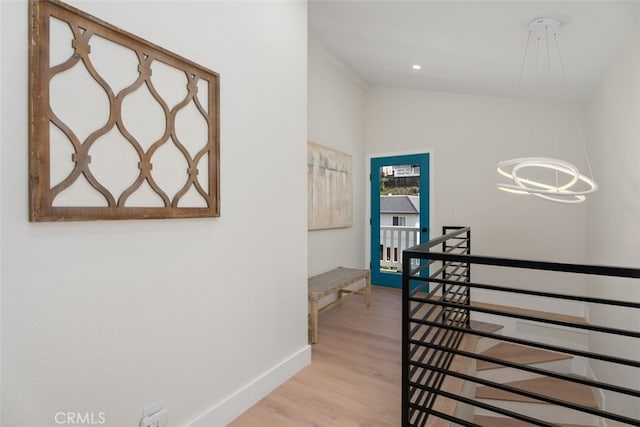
column 485, row 344
column 553, row 334
column 544, row 333
column 545, row 412
column 505, row 375
column 572, row 308
column 464, row 411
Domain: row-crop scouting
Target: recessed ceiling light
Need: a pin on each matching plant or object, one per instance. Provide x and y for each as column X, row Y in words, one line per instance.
column 416, row 66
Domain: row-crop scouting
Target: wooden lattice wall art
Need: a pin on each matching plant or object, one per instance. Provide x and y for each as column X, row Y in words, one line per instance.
column 119, row 127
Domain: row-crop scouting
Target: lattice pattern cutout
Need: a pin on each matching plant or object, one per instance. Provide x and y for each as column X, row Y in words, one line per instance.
column 119, row 128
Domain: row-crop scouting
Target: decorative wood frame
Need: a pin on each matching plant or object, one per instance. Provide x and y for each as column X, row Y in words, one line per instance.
column 41, row 117
column 330, row 188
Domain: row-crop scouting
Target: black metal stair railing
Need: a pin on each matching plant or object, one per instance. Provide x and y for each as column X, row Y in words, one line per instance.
column 437, row 311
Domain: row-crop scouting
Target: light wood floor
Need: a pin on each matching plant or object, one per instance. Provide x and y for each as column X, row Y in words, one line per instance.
column 355, row 375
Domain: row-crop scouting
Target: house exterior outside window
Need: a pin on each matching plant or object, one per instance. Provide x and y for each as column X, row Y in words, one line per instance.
column 400, row 221
column 400, row 211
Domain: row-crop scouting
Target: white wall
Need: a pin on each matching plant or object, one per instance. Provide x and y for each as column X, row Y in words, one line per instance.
column 336, row 105
column 467, row 135
column 613, row 214
column 112, row 316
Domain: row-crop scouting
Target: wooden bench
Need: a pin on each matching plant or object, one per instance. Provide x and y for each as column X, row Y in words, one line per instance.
column 329, row 283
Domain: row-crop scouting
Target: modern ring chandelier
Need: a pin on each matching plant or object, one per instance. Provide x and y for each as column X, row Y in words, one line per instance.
column 568, row 184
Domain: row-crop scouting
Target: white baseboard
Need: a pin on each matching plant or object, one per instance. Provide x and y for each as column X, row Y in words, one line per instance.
column 238, row 402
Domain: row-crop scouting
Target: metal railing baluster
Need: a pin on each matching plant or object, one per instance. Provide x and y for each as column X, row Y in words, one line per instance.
column 433, row 327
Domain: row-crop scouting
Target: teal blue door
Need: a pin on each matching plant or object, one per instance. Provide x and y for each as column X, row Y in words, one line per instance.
column 399, row 213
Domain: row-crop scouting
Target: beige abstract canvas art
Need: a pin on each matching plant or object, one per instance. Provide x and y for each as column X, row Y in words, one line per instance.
column 330, row 188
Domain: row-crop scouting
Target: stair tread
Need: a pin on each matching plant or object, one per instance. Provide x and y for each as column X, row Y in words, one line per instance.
column 518, row 354
column 487, row 421
column 485, row 326
column 529, row 312
column 551, row 387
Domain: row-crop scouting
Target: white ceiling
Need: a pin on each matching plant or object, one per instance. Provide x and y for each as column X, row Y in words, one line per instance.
column 472, row 46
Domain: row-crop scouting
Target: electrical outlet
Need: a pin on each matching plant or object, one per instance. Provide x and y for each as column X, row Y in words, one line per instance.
column 154, row 416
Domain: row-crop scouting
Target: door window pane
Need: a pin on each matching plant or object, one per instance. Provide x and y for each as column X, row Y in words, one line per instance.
column 399, row 207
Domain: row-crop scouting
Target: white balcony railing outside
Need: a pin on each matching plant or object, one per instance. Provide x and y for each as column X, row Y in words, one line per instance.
column 393, row 241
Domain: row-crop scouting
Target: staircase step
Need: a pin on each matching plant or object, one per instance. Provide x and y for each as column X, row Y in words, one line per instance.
column 485, row 343
column 485, row 326
column 454, row 385
column 551, row 387
column 518, row 354
column 528, row 312
column 504, row 374
column 487, row 421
